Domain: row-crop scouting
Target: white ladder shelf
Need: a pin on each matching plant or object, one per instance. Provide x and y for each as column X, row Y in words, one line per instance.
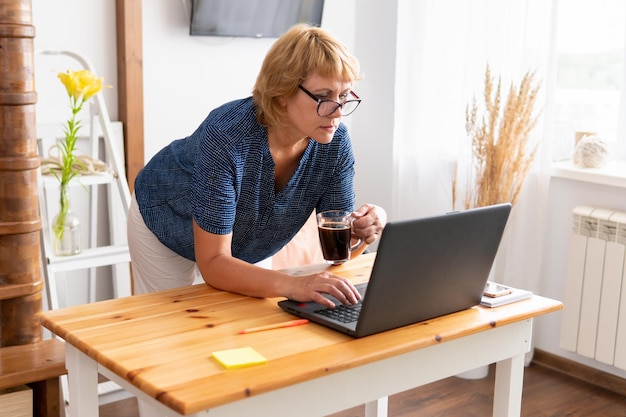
column 93, row 256
column 105, row 142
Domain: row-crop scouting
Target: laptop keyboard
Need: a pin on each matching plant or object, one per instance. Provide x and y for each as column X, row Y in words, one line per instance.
column 342, row 313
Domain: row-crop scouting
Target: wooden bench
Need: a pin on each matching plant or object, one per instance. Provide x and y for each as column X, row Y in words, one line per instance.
column 38, row 365
column 26, row 359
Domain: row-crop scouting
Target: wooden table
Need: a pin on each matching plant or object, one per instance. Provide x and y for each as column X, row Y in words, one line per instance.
column 158, row 346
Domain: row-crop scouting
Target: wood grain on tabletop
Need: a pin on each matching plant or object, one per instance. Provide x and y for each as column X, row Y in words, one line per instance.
column 161, row 342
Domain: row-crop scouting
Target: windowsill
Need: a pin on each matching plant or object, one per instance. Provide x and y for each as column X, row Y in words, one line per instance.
column 613, row 173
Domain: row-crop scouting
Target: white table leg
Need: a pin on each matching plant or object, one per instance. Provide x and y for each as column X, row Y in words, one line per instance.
column 82, row 375
column 377, row 408
column 507, row 400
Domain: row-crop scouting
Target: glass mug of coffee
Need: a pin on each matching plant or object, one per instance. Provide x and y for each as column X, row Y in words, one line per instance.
column 335, row 231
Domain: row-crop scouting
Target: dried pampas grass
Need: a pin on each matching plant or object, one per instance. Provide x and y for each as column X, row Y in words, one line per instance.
column 500, row 159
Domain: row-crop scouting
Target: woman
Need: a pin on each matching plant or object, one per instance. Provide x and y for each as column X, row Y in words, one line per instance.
column 241, row 186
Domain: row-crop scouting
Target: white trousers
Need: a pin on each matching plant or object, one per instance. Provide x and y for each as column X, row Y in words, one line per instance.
column 155, row 266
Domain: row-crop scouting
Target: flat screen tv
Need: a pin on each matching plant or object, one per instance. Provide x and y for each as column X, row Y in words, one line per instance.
column 252, row 18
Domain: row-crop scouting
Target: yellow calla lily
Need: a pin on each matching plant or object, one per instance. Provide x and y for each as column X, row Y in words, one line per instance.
column 70, row 82
column 80, row 85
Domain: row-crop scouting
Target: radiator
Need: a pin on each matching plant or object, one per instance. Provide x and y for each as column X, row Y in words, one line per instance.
column 594, row 314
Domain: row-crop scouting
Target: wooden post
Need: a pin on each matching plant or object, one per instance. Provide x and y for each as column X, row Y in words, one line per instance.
column 130, row 80
column 20, row 223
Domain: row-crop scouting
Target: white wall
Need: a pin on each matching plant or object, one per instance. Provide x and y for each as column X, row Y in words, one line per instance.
column 185, row 77
column 372, row 127
column 87, row 27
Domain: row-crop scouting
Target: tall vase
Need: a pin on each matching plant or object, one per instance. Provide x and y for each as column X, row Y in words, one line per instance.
column 66, row 233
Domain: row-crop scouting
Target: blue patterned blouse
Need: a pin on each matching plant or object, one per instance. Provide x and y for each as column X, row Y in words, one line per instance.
column 223, row 176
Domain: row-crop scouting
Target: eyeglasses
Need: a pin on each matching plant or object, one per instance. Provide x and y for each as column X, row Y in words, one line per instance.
column 327, row 107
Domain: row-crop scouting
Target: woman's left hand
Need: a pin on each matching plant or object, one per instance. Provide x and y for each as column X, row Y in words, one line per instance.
column 369, row 221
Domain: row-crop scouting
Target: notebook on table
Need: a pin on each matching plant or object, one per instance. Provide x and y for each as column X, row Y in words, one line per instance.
column 424, row 268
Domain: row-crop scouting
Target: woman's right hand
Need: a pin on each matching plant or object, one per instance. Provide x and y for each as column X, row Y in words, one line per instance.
column 312, row 287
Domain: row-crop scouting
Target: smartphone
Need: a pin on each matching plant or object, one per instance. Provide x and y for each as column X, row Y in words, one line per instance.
column 496, row 290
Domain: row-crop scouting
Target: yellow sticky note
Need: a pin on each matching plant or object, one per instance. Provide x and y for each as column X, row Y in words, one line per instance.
column 238, row 358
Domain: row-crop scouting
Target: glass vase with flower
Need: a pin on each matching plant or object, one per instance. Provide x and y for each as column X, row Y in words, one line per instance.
column 66, row 233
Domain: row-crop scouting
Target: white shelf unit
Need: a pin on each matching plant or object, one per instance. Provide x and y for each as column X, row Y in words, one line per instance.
column 94, row 254
column 103, row 139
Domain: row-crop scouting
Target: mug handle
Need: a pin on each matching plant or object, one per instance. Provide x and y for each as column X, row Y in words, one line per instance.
column 357, row 249
column 357, row 245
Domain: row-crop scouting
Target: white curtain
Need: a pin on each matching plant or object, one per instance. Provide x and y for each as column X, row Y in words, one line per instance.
column 443, row 49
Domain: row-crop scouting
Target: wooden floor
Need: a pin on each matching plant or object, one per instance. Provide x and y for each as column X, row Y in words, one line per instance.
column 546, row 394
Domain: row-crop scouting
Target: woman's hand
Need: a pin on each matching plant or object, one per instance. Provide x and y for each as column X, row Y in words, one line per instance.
column 312, row 287
column 369, row 222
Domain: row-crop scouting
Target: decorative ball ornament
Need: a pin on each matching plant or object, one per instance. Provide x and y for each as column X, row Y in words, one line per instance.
column 590, row 152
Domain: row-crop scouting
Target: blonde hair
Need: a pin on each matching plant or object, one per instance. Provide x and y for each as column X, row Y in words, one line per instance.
column 302, row 51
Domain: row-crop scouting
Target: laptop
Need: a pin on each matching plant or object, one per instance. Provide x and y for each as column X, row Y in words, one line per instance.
column 424, row 268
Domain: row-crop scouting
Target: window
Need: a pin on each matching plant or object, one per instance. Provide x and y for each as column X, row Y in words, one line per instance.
column 590, row 92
